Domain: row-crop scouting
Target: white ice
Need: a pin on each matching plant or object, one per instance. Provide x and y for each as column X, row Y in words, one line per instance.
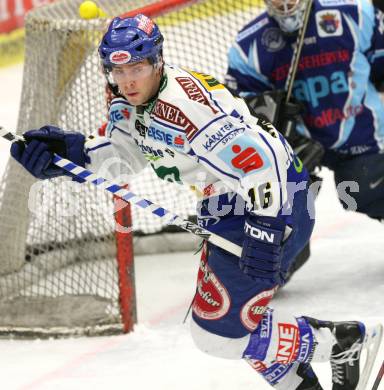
column 342, row 280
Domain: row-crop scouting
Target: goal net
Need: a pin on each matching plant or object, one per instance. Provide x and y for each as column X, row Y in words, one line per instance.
column 63, row 268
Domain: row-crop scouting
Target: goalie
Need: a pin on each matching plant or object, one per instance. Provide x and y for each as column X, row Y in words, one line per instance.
column 194, row 131
column 337, row 106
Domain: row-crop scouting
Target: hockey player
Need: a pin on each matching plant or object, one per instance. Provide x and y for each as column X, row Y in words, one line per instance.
column 254, row 192
column 340, row 68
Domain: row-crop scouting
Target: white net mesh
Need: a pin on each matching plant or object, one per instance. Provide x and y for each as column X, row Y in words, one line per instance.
column 57, row 240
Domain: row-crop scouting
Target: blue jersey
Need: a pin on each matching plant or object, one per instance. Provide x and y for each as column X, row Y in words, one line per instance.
column 343, row 52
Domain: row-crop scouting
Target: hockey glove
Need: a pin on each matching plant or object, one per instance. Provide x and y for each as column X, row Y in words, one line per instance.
column 36, row 154
column 309, row 151
column 262, row 251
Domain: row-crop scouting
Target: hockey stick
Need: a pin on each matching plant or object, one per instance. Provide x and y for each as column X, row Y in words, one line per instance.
column 297, row 52
column 379, row 377
column 128, row 196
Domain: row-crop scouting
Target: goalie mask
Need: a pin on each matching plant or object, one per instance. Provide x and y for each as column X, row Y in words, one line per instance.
column 289, row 14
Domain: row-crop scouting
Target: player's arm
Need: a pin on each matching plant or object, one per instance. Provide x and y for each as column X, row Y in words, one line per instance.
column 36, row 154
column 244, row 76
column 252, row 164
column 373, row 34
column 115, row 153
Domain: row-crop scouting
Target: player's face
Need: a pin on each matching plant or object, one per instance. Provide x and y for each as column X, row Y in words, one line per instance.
column 137, row 82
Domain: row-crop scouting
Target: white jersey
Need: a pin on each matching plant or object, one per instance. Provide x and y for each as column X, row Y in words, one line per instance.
column 195, row 132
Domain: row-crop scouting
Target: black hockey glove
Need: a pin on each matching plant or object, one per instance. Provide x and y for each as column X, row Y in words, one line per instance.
column 271, row 106
column 309, row 151
column 284, row 117
column 36, row 153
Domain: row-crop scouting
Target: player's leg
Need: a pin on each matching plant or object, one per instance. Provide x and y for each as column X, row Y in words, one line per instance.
column 298, row 376
column 367, row 172
column 282, row 347
column 231, row 318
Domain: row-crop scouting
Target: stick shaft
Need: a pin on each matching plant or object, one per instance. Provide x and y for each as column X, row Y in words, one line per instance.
column 134, row 199
column 297, row 52
column 379, row 377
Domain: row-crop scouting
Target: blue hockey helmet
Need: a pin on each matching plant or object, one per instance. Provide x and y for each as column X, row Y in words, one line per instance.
column 131, row 40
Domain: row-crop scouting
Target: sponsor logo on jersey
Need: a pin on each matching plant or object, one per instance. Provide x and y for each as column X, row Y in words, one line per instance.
column 166, row 137
column 179, row 142
column 120, row 57
column 141, row 129
column 313, row 62
column 380, row 22
column 208, row 82
column 247, row 159
column 292, row 158
column 275, row 372
column 212, row 300
column 335, row 3
column 148, row 150
column 145, row 24
column 209, row 190
column 288, row 343
column 329, row 23
column 312, row 89
column 259, row 234
column 273, row 39
column 205, row 221
column 359, row 149
column 257, row 365
column 331, row 116
column 244, row 156
column 310, row 40
column 193, row 91
column 170, row 152
column 171, row 174
column 126, row 113
column 160, row 135
column 252, row 29
column 252, row 314
column 174, row 115
column 374, row 184
column 306, row 343
column 119, row 112
column 115, row 116
column 222, row 136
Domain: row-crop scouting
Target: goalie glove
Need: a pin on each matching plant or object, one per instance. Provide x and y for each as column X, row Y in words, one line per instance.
column 271, row 106
column 36, row 153
column 309, row 151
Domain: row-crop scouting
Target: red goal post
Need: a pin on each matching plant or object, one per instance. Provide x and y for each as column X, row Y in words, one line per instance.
column 64, row 267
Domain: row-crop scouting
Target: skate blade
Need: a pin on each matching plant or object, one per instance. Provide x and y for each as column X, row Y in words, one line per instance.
column 372, row 341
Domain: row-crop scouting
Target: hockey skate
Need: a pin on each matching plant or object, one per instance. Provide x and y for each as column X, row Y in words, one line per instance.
column 353, row 339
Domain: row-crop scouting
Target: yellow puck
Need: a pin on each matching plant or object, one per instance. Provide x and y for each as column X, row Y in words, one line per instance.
column 89, row 10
